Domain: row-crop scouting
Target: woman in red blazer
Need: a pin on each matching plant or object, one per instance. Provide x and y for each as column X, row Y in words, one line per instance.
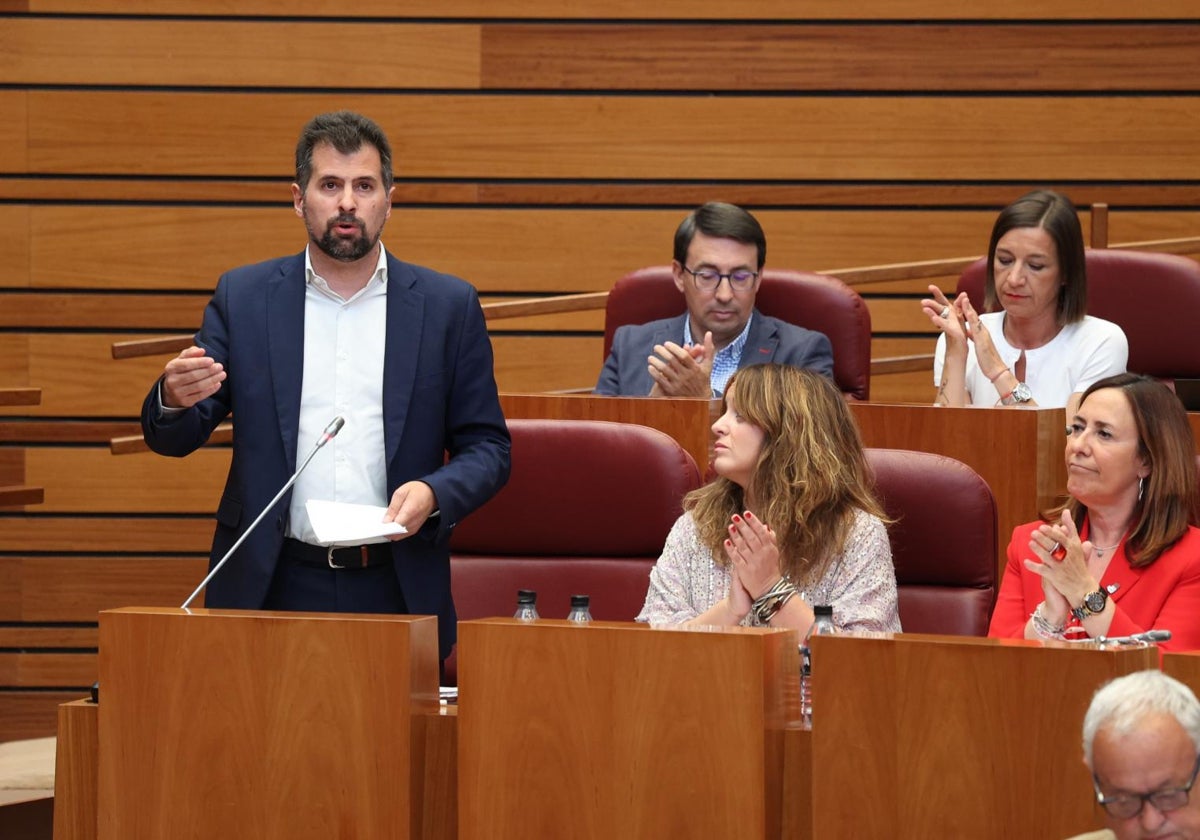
column 1121, row 556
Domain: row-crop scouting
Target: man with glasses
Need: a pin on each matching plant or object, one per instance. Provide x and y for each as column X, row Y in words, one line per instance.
column 719, row 254
column 1141, row 740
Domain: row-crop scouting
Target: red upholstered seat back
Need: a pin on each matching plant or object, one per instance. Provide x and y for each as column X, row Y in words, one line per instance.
column 1153, row 297
column 944, row 540
column 814, row 301
column 586, row 511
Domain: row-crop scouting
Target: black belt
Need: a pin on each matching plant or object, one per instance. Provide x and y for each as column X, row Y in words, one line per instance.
column 342, row 557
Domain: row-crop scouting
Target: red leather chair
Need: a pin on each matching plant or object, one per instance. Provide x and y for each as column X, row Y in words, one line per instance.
column 1152, row 297
column 814, row 301
column 944, row 541
column 586, row 510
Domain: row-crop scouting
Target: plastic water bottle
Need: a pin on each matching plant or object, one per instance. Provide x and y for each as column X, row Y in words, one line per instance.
column 579, row 609
column 822, row 626
column 526, row 605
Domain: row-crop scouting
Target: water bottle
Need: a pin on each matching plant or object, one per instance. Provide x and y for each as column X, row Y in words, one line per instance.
column 526, row 605
column 822, row 626
column 579, row 609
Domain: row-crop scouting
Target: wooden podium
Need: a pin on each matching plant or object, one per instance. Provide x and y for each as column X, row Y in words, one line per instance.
column 262, row 724
column 940, row 736
column 610, row 730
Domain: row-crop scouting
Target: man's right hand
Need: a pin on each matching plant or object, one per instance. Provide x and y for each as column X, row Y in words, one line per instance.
column 191, row 377
column 682, row 371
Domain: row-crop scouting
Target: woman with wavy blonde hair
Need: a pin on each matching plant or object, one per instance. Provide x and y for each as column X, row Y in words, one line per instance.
column 790, row 521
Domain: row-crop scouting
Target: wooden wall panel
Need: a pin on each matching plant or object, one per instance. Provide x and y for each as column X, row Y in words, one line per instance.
column 237, row 53
column 39, row 532
column 615, row 136
column 633, row 9
column 15, row 232
column 75, row 588
column 79, row 377
column 530, row 250
column 891, row 57
column 94, row 480
column 48, row 670
column 31, row 714
column 14, row 129
column 529, row 363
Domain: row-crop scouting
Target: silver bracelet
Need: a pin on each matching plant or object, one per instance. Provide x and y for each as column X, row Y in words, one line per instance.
column 770, row 602
column 1042, row 627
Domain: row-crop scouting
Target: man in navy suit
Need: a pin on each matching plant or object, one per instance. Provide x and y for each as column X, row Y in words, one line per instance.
column 719, row 254
column 340, row 329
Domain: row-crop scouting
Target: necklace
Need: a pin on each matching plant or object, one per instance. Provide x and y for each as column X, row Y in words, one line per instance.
column 1101, row 549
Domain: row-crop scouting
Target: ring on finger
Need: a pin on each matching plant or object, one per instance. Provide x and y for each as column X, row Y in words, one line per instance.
column 1058, row 551
column 945, row 313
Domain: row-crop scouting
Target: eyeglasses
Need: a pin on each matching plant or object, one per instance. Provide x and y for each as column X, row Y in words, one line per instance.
column 1125, row 806
column 708, row 279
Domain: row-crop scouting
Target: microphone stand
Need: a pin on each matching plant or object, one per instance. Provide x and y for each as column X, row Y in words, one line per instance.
column 330, row 432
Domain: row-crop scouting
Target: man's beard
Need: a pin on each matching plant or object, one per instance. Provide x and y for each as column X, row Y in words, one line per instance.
column 340, row 248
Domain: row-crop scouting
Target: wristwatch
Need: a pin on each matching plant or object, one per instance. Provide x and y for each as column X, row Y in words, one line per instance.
column 1019, row 394
column 1093, row 603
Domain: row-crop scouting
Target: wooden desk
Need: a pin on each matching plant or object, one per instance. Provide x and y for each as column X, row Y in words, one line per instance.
column 946, row 736
column 926, row 736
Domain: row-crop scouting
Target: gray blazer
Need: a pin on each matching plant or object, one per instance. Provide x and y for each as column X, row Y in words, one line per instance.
column 770, row 340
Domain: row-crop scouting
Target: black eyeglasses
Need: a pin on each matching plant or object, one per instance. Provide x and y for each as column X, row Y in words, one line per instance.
column 707, row 279
column 1125, row 806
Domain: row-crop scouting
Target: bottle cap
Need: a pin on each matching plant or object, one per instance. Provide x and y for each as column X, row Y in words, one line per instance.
column 823, row 610
column 526, row 596
column 579, row 600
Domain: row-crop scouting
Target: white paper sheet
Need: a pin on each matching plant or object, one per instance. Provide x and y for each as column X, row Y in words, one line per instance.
column 342, row 523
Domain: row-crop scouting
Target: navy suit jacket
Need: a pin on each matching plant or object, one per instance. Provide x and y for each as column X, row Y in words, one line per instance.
column 441, row 415
column 625, row 371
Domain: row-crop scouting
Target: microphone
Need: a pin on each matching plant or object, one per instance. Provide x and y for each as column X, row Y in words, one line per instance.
column 1137, row 638
column 329, row 434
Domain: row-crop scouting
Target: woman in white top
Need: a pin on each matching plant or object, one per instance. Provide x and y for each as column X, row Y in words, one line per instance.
column 1036, row 345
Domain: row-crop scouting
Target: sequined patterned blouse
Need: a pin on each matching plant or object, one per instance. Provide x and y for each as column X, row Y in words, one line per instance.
column 860, row 582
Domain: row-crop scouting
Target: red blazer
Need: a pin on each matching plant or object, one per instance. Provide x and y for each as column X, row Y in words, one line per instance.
column 1162, row 596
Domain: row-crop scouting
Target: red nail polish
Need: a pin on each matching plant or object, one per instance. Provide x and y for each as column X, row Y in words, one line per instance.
column 749, row 515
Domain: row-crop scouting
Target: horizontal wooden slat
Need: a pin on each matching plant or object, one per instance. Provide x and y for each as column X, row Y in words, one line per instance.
column 34, row 636
column 899, row 315
column 903, row 57
column 263, row 53
column 47, row 670
column 76, row 588
column 607, row 194
column 549, row 136
column 84, row 534
column 64, row 431
column 84, row 381
column 80, row 379
column 618, row 9
column 100, row 482
column 498, row 250
column 31, row 714
column 227, row 53
column 159, row 311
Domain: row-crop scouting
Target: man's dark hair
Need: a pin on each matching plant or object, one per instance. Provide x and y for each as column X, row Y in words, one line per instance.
column 346, row 131
column 724, row 221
